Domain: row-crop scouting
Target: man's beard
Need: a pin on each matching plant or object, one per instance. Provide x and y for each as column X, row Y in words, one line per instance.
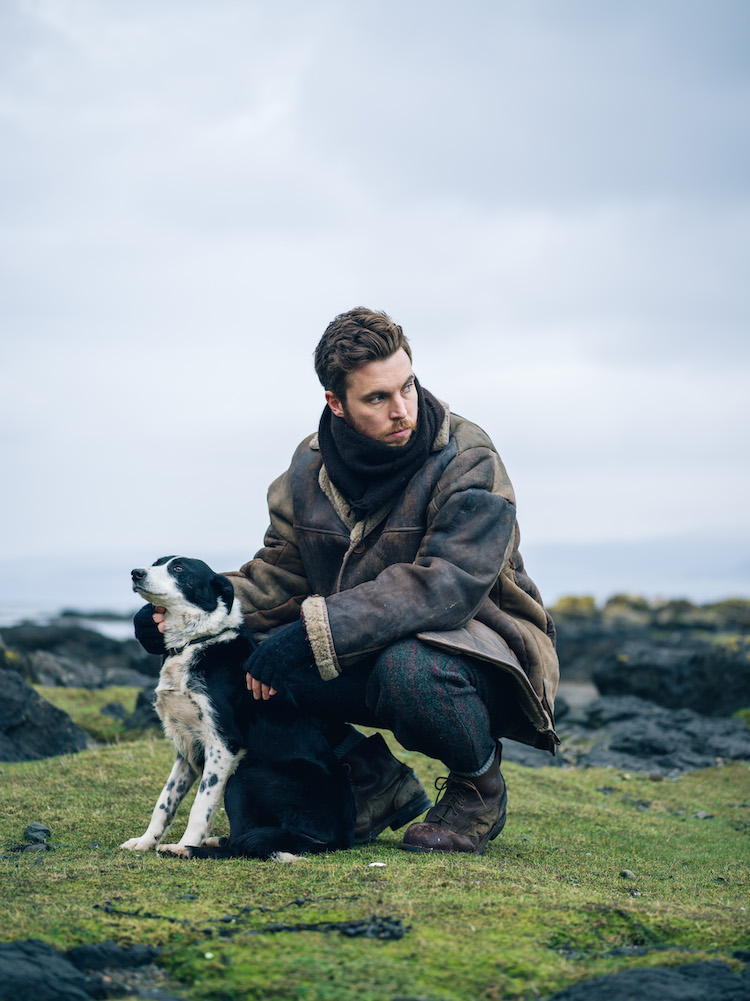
column 385, row 437
column 403, row 426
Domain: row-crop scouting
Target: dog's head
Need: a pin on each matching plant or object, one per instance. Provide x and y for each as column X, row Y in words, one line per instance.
column 198, row 601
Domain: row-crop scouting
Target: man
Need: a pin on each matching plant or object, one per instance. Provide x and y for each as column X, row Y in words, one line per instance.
column 392, row 565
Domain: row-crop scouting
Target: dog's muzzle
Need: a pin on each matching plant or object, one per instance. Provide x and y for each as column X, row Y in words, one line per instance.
column 138, row 577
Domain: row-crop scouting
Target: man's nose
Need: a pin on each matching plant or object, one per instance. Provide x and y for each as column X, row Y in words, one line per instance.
column 398, row 409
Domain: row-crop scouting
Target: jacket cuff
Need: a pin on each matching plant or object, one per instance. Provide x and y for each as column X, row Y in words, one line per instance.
column 315, row 616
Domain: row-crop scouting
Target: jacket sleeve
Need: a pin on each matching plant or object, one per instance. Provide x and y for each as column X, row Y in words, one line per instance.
column 272, row 586
column 470, row 521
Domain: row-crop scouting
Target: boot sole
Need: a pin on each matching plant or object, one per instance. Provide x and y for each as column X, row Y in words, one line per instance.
column 408, row 812
column 491, row 835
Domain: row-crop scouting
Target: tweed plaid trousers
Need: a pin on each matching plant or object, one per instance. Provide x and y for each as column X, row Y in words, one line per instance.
column 448, row 707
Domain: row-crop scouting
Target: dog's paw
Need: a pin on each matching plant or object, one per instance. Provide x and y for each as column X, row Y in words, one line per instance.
column 142, row 844
column 213, row 842
column 285, row 857
column 177, row 851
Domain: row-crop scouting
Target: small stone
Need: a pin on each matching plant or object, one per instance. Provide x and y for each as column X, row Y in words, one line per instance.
column 36, row 833
column 703, row 815
column 627, row 874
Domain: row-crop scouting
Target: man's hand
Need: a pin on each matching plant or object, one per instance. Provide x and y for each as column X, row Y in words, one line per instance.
column 159, row 616
column 259, row 690
column 277, row 660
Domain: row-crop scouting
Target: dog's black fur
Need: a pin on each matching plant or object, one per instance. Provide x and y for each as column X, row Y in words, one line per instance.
column 284, row 790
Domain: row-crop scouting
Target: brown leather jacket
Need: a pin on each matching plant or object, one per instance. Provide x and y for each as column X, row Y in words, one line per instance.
column 440, row 562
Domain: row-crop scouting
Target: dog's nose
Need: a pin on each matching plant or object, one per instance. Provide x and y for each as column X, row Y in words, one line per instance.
column 138, row 574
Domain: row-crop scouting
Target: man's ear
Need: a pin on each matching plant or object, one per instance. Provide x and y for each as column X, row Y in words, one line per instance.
column 334, row 403
column 224, row 590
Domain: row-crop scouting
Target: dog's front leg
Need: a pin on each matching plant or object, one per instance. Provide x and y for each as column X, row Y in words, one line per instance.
column 220, row 763
column 180, row 780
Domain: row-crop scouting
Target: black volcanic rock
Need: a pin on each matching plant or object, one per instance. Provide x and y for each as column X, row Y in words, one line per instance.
column 45, row 668
column 707, row 981
column 63, row 653
column 631, row 734
column 30, row 727
column 710, row 679
column 634, row 735
column 582, row 645
column 31, row 970
column 144, row 714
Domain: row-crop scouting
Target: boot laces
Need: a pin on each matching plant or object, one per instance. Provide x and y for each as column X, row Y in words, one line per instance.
column 452, row 790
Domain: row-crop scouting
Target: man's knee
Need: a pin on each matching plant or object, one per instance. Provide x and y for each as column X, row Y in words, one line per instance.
column 408, row 671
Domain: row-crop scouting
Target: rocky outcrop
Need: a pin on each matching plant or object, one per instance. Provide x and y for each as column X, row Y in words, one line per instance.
column 589, row 636
column 582, row 645
column 709, row 678
column 144, row 715
column 633, row 735
column 45, row 668
column 67, row 654
column 708, row 981
column 32, row 970
column 30, row 727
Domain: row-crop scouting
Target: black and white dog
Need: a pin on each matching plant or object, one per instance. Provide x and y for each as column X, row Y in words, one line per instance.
column 284, row 791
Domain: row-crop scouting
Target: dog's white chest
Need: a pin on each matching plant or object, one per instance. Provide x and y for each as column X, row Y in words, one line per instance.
column 184, row 710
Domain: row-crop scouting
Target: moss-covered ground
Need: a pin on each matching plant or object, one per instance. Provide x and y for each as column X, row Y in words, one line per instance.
column 547, row 905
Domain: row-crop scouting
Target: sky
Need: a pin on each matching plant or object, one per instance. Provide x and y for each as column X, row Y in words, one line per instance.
column 552, row 197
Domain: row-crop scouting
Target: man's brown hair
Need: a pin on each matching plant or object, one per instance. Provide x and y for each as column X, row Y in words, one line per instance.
column 352, row 339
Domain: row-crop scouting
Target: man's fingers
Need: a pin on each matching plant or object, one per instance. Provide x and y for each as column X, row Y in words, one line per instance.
column 259, row 690
column 158, row 617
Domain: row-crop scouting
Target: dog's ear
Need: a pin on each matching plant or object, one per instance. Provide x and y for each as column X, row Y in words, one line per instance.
column 224, row 590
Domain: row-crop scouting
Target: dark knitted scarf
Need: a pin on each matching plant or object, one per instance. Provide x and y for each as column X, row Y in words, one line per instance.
column 369, row 473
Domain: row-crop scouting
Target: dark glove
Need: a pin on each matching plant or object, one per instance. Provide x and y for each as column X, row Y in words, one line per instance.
column 147, row 632
column 282, row 657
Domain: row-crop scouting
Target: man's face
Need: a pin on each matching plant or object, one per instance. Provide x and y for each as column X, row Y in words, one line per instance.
column 381, row 400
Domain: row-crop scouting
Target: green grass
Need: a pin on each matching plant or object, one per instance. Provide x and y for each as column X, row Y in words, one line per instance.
column 84, row 705
column 544, row 907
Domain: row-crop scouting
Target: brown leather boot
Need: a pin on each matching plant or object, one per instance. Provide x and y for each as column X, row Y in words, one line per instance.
column 387, row 793
column 470, row 813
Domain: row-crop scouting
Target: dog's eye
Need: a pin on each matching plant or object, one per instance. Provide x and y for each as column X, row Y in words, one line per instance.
column 178, row 567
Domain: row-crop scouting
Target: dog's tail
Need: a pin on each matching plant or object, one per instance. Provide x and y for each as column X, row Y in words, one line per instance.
column 265, row 842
